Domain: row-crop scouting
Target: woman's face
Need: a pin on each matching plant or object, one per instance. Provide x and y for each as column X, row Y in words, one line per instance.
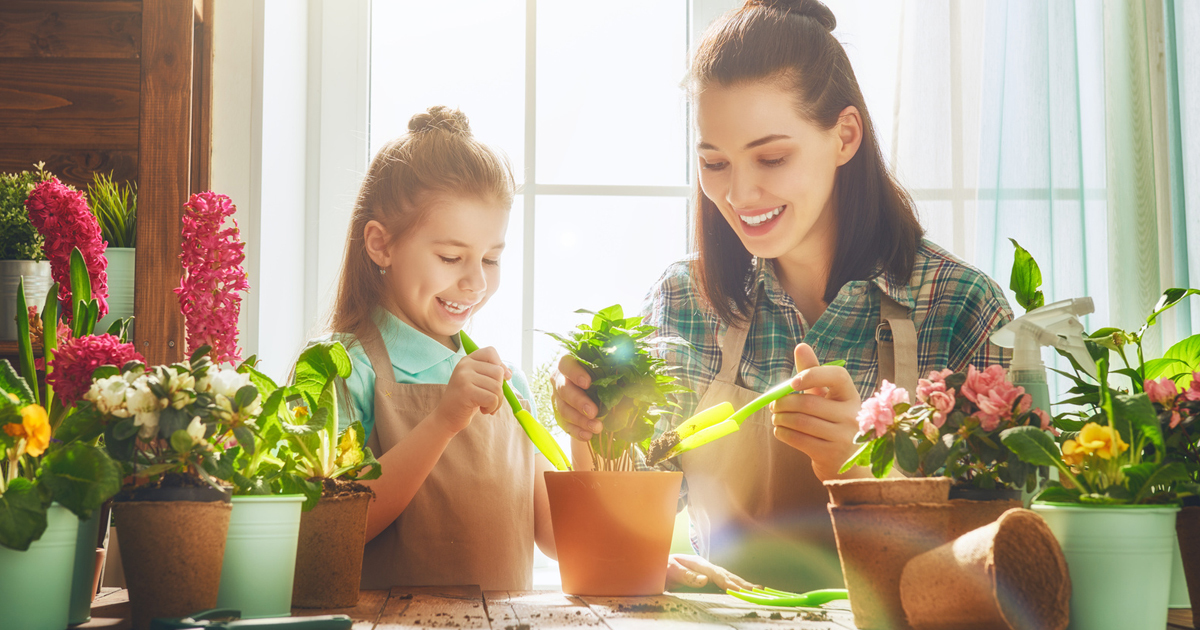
column 768, row 170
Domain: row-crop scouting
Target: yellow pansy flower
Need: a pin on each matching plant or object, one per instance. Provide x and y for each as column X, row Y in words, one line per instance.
column 1100, row 441
column 36, row 425
column 1072, row 454
column 349, row 451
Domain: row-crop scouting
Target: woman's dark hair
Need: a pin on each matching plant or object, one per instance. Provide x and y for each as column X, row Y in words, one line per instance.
column 790, row 42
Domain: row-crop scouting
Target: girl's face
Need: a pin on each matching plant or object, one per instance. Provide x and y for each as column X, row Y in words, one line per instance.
column 446, row 267
column 769, row 170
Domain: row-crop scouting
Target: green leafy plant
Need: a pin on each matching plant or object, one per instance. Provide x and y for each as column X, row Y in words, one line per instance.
column 629, row 384
column 1026, row 279
column 18, row 238
column 307, row 415
column 115, row 207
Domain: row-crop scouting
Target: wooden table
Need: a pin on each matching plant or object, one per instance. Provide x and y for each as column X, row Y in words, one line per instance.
column 468, row 608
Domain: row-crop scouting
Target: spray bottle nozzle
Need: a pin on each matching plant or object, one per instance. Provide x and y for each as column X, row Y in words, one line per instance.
column 1055, row 325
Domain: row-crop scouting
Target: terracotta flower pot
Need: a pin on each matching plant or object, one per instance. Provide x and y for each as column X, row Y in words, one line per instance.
column 330, row 552
column 1008, row 574
column 613, row 530
column 973, row 508
column 171, row 551
column 881, row 524
column 1187, row 527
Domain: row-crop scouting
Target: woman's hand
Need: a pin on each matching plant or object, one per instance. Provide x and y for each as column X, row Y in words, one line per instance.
column 475, row 385
column 696, row 572
column 821, row 420
column 576, row 413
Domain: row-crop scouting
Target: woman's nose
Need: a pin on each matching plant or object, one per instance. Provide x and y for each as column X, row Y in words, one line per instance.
column 743, row 188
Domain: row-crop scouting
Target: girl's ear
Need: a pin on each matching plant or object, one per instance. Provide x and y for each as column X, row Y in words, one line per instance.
column 849, row 131
column 375, row 236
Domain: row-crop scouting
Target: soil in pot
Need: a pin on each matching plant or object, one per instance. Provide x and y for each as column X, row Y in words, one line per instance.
column 330, row 551
column 973, row 508
column 1010, row 573
column 613, row 530
column 1187, row 527
column 881, row 524
column 171, row 548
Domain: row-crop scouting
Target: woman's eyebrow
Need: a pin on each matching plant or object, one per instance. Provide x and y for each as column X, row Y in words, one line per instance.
column 750, row 145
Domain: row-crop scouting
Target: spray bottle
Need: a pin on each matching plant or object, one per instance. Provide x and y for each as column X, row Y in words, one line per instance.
column 1055, row 325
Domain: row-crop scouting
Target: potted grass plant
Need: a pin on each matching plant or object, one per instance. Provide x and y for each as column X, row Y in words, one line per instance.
column 115, row 208
column 327, row 464
column 1114, row 506
column 613, row 524
column 21, row 254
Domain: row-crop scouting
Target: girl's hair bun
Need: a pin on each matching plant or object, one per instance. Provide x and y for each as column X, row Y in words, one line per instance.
column 440, row 117
column 814, row 9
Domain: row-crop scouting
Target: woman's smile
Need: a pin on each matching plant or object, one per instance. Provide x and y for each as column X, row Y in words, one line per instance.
column 760, row 221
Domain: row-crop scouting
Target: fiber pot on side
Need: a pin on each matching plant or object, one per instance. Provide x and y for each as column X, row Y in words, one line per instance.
column 881, row 524
column 330, row 552
column 972, row 508
column 172, row 546
column 613, row 530
column 1008, row 574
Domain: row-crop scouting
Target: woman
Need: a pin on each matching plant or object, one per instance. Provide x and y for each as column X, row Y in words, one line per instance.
column 808, row 252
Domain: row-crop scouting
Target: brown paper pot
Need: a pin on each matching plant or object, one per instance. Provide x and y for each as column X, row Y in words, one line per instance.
column 171, row 552
column 874, row 542
column 1009, row 574
column 889, row 491
column 613, row 530
column 1187, row 526
column 968, row 515
column 330, row 552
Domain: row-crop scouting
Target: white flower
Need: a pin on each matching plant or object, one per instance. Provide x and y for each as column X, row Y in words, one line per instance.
column 133, row 375
column 147, row 424
column 226, row 382
column 196, row 430
column 109, row 395
column 180, row 382
column 181, row 399
column 139, row 398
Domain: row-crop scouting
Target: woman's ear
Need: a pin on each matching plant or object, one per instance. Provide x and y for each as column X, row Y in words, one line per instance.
column 376, row 238
column 849, row 130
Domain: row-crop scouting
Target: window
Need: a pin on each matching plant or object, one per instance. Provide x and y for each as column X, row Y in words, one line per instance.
column 585, row 100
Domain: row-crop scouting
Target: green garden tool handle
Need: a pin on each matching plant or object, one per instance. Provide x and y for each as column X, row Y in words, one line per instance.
column 772, row 597
column 770, row 396
column 229, row 619
column 537, row 433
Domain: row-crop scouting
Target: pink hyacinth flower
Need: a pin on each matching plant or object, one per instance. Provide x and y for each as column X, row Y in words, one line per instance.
column 213, row 277
column 61, row 215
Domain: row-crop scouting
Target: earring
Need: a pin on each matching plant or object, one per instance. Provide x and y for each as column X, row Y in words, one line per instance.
column 382, row 271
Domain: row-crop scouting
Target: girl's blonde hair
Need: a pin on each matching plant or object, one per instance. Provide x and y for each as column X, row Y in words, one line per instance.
column 438, row 155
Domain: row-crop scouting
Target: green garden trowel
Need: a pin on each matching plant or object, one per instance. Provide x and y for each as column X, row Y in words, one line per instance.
column 537, row 433
column 714, row 423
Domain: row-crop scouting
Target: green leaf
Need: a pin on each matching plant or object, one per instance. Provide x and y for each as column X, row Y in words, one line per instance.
column 1058, row 494
column 81, row 293
column 1137, row 413
column 181, row 441
column 861, row 457
column 1188, row 352
column 1032, row 445
column 1156, row 368
column 1026, row 279
column 125, row 429
column 24, row 345
column 81, row 477
column 22, row 515
column 935, row 458
column 1169, row 299
column 245, row 438
column 244, row 396
column 319, row 363
column 13, row 384
column 906, row 454
column 882, row 454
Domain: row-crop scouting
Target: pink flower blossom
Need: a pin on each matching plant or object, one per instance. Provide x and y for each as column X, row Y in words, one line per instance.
column 1193, row 391
column 943, row 404
column 74, row 362
column 979, row 383
column 997, row 403
column 208, row 292
column 1045, row 421
column 1163, row 391
column 62, row 216
column 937, row 376
column 879, row 411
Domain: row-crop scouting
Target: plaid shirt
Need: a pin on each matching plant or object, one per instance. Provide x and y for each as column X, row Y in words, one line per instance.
column 954, row 307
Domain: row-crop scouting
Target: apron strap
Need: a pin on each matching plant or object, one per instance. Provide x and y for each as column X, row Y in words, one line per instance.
column 377, row 352
column 733, row 344
column 898, row 357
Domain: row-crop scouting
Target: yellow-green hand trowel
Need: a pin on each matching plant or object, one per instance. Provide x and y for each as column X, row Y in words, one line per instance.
column 714, row 423
column 537, row 433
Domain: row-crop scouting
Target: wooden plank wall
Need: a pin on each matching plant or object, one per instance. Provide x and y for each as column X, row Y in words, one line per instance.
column 121, row 87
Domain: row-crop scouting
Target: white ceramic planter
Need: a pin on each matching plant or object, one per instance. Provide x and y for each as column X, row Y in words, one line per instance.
column 37, row 284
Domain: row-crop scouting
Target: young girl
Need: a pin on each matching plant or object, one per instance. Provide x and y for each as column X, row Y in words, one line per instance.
column 462, row 497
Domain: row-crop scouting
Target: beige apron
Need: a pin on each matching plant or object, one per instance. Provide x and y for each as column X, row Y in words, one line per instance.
column 756, row 500
column 472, row 520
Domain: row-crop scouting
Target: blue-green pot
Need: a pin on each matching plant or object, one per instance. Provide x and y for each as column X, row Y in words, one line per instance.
column 84, row 579
column 1119, row 557
column 35, row 584
column 260, row 555
column 120, row 285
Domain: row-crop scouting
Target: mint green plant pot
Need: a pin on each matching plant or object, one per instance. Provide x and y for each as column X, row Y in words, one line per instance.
column 260, row 555
column 35, row 585
column 1120, row 562
column 120, row 286
column 84, row 578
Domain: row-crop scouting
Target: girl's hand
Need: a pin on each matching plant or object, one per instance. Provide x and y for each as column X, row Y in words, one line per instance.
column 576, row 413
column 821, row 421
column 475, row 386
column 696, row 572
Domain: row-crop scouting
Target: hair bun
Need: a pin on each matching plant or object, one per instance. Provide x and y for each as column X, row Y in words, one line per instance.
column 814, row 9
column 440, row 117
